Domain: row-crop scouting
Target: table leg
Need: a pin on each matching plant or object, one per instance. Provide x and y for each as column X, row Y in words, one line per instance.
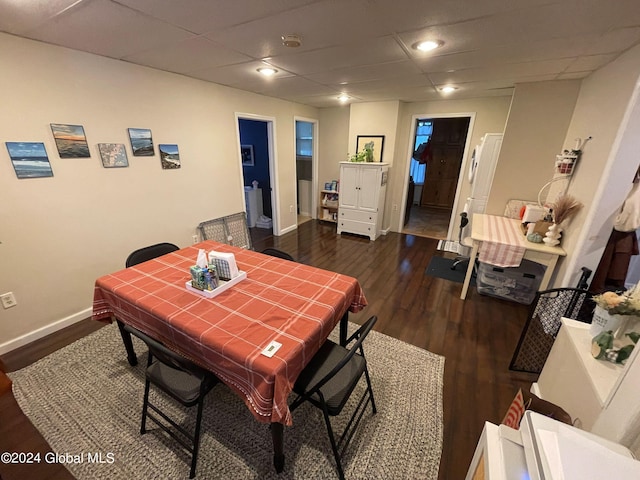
column 546, row 278
column 344, row 323
column 277, row 436
column 128, row 344
column 467, row 277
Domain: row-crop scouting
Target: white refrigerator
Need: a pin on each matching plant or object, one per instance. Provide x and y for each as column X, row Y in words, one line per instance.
column 481, row 170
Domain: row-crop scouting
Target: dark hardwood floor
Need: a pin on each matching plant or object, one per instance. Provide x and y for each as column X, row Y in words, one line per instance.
column 476, row 336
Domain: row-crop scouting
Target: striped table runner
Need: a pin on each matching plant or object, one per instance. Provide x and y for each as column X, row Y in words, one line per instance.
column 506, row 247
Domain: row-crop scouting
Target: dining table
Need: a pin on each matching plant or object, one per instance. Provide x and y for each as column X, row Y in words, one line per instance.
column 283, row 305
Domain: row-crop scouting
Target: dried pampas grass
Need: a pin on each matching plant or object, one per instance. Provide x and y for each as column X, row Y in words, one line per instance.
column 564, row 208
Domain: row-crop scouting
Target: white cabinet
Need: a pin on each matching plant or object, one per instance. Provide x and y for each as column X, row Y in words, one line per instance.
column 361, row 203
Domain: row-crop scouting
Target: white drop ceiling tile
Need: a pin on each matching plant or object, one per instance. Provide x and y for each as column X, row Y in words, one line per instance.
column 399, row 83
column 320, row 24
column 616, row 40
column 188, row 56
column 589, row 63
column 200, row 16
column 511, row 71
column 296, row 86
column 243, row 76
column 21, row 16
column 369, row 52
column 108, row 29
column 366, row 73
column 574, row 75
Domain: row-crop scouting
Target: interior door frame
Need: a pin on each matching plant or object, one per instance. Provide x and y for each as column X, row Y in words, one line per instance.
column 314, row 163
column 273, row 164
column 463, row 166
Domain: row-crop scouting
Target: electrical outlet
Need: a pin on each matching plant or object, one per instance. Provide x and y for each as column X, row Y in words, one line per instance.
column 290, row 208
column 194, row 238
column 8, row 300
column 395, row 207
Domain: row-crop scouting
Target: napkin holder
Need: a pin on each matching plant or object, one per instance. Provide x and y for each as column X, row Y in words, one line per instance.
column 225, row 265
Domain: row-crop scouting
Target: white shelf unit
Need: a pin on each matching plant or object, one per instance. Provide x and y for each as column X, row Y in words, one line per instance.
column 328, row 207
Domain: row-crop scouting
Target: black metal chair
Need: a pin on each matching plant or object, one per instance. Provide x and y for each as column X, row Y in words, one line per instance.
column 543, row 324
column 274, row 252
column 149, row 253
column 139, row 256
column 328, row 381
column 182, row 380
column 464, row 242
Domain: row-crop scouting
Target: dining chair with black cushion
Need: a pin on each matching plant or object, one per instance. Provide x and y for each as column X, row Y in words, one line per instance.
column 182, row 380
column 139, row 256
column 328, row 381
column 274, row 252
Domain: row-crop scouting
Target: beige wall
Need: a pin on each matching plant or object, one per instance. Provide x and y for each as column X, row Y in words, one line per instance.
column 606, row 110
column 538, row 120
column 59, row 234
column 334, row 142
column 490, row 116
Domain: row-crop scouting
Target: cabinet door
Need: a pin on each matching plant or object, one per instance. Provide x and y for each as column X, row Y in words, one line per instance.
column 369, row 188
column 349, row 186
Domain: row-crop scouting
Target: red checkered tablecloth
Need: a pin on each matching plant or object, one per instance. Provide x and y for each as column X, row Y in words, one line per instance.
column 291, row 303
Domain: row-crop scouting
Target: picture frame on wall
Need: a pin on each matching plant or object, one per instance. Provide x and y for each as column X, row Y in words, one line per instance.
column 247, row 155
column 141, row 142
column 376, row 142
column 113, row 155
column 29, row 159
column 169, row 156
column 71, row 140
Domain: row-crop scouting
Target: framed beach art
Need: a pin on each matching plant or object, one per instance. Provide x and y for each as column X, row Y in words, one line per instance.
column 169, row 156
column 70, row 141
column 29, row 159
column 113, row 155
column 141, row 142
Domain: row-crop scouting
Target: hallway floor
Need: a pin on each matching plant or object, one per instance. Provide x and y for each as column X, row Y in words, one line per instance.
column 428, row 222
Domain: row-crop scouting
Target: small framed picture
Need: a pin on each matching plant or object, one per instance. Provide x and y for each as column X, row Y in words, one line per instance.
column 372, row 143
column 141, row 142
column 29, row 159
column 169, row 156
column 113, row 155
column 70, row 140
column 247, row 155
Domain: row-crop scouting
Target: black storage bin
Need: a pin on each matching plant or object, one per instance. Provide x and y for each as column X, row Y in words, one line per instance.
column 518, row 284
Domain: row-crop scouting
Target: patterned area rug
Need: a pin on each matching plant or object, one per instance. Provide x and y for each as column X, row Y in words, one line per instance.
column 86, row 399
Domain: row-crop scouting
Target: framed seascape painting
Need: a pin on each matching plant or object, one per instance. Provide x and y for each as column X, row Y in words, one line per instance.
column 247, row 155
column 169, row 156
column 29, row 159
column 113, row 155
column 371, row 142
column 70, row 141
column 141, row 142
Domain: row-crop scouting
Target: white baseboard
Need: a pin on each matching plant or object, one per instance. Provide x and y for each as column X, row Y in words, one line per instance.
column 287, row 230
column 44, row 331
column 385, row 231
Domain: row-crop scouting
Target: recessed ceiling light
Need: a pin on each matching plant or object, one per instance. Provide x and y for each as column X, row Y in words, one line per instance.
column 267, row 71
column 448, row 89
column 344, row 97
column 427, row 45
column 292, row 40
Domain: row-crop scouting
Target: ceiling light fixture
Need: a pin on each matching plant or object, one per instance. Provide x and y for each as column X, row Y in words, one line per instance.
column 448, row 89
column 267, row 71
column 344, row 97
column 427, row 45
column 292, row 40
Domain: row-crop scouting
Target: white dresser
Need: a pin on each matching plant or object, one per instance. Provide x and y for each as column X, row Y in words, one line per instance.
column 361, row 202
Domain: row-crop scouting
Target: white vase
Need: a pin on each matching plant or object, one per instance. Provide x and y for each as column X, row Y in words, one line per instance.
column 552, row 237
column 603, row 321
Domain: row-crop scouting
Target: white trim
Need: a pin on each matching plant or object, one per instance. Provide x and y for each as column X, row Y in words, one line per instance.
column 288, row 229
column 463, row 166
column 314, row 163
column 44, row 331
column 273, row 164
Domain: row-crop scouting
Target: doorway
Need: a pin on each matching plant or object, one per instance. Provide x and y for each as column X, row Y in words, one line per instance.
column 256, row 151
column 438, row 146
column 305, row 154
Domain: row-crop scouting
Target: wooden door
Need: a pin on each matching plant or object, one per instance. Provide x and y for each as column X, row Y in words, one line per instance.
column 447, row 146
